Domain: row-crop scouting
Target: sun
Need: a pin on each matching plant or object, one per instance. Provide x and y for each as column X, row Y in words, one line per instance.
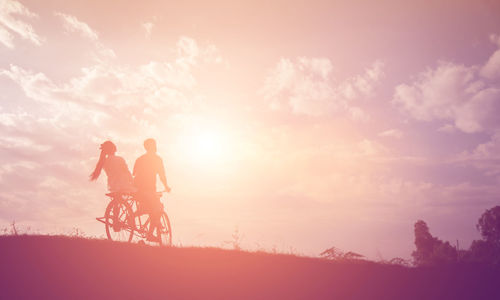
column 207, row 144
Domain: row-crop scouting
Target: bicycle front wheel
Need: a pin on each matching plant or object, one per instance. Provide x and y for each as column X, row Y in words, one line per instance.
column 165, row 231
column 119, row 223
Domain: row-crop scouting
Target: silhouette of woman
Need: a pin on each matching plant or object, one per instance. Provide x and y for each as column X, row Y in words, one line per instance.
column 119, row 177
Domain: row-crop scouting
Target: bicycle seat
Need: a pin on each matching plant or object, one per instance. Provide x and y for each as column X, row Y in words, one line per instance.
column 114, row 194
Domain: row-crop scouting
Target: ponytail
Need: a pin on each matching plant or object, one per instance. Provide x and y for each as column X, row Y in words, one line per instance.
column 98, row 166
column 106, row 148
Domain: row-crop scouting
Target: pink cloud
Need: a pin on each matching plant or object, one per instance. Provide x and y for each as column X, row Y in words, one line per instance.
column 6, row 38
column 394, row 133
column 106, row 86
column 148, row 28
column 72, row 24
column 485, row 156
column 10, row 11
column 451, row 92
column 305, row 86
column 491, row 69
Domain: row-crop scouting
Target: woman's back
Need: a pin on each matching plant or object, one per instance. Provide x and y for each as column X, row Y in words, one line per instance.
column 119, row 176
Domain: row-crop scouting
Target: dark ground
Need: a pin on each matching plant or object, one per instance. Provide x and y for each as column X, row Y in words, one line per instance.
column 53, row 267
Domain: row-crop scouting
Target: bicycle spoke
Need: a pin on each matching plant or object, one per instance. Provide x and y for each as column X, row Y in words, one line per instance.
column 119, row 226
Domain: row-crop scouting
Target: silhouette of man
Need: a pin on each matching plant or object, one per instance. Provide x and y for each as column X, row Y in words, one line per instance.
column 146, row 168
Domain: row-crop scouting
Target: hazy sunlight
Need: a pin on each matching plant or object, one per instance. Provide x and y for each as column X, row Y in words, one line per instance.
column 305, row 124
column 207, row 146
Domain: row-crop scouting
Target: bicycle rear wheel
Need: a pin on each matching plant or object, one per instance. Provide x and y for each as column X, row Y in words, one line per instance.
column 119, row 221
column 165, row 231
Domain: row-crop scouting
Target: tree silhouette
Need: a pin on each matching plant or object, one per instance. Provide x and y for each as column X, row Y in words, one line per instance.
column 487, row 250
column 431, row 250
column 489, row 225
column 424, row 243
column 484, row 252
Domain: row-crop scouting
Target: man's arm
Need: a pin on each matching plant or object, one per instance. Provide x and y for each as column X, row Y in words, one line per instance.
column 163, row 178
column 135, row 168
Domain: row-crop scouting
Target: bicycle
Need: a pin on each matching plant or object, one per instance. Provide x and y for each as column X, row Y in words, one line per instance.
column 124, row 220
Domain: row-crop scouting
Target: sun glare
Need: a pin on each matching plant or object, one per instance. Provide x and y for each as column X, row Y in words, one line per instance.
column 206, row 146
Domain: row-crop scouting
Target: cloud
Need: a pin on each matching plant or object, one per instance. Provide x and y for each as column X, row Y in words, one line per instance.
column 6, row 38
column 363, row 85
column 321, row 66
column 394, row 133
column 357, row 114
column 103, row 93
column 148, row 27
column 72, row 24
column 491, row 69
column 188, row 50
column 106, row 87
column 456, row 93
column 485, row 156
column 489, row 150
column 371, row 148
column 10, row 11
column 190, row 53
column 448, row 128
column 451, row 92
column 35, row 85
column 365, row 173
column 305, row 87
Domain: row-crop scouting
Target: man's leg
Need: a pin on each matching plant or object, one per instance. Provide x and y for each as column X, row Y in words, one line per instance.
column 154, row 216
column 155, row 223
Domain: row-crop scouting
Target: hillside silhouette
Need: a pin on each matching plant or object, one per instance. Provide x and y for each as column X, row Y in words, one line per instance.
column 54, row 267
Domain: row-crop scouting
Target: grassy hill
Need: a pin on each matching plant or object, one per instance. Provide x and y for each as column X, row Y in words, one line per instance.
column 52, row 267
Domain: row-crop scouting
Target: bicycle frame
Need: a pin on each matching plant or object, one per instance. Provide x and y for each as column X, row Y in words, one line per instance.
column 141, row 219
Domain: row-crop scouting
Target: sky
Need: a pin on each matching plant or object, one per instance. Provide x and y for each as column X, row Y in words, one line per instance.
column 300, row 124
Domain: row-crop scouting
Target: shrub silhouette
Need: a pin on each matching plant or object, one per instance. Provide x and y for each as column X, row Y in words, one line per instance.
column 399, row 262
column 334, row 253
column 484, row 252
